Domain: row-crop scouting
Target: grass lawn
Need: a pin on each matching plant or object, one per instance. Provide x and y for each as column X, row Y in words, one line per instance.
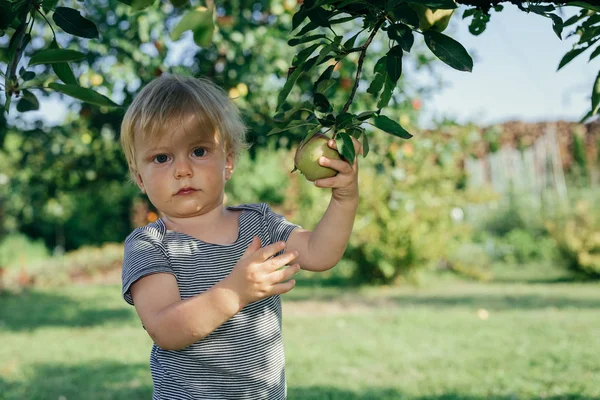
column 449, row 339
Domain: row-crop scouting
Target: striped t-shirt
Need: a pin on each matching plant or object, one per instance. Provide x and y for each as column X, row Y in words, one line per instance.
column 241, row 359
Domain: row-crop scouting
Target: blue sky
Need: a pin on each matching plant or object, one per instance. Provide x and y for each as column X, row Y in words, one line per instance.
column 514, row 75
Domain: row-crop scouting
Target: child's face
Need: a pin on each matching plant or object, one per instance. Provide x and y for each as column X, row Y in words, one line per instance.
column 184, row 172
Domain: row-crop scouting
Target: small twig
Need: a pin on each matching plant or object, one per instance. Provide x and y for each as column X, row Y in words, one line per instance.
column 49, row 24
column 361, row 60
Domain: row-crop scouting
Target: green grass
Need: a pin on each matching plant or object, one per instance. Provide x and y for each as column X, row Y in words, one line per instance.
column 541, row 340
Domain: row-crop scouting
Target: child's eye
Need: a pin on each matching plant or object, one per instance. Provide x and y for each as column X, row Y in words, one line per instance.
column 161, row 158
column 200, row 152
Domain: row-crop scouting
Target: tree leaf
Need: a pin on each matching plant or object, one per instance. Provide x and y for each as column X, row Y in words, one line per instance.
column 320, row 16
column 404, row 13
column 71, row 21
column 51, row 56
column 83, row 94
column 403, row 35
column 390, row 126
column 321, row 103
column 299, row 40
column 365, row 144
column 200, row 22
column 585, row 5
column 291, row 125
column 28, row 102
column 287, row 88
column 449, row 51
column 444, row 4
column 595, row 53
column 596, row 95
column 394, row 63
column 63, row 70
column 301, row 57
column 569, row 56
column 557, row 25
column 345, row 146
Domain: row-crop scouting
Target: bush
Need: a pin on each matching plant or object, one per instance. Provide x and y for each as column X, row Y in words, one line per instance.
column 577, row 235
column 18, row 250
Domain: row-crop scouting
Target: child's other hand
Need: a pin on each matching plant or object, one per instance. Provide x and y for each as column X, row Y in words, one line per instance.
column 257, row 276
column 345, row 184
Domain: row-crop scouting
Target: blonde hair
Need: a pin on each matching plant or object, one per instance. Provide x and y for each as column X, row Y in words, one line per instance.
column 174, row 98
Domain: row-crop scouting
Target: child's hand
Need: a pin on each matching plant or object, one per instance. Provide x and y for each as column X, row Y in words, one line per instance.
column 345, row 184
column 256, row 276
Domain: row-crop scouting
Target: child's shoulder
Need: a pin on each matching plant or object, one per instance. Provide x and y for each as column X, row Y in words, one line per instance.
column 153, row 232
column 260, row 208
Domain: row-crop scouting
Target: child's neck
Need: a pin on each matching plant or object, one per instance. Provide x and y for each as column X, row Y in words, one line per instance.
column 219, row 225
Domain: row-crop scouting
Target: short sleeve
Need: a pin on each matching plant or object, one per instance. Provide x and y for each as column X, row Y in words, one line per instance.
column 142, row 257
column 279, row 228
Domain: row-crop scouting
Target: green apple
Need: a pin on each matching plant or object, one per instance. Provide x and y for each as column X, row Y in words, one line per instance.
column 307, row 157
column 432, row 20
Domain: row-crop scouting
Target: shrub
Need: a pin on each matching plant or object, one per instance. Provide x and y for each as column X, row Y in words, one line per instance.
column 577, row 235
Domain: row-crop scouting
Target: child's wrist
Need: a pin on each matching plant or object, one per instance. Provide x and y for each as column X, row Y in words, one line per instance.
column 228, row 298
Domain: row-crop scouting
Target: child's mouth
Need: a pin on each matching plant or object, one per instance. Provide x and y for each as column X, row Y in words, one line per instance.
column 186, row 190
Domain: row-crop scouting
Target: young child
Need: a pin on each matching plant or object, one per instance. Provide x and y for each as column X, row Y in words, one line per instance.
column 205, row 278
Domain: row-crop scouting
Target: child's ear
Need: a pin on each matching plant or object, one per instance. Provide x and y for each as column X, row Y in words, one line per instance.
column 140, row 182
column 229, row 165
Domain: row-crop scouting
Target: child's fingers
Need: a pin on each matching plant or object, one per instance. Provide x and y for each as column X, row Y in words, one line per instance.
column 338, row 165
column 284, row 259
column 332, row 144
column 284, row 287
column 269, row 251
column 284, row 274
column 253, row 247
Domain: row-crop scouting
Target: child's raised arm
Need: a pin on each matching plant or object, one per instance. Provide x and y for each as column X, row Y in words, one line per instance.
column 174, row 324
column 323, row 248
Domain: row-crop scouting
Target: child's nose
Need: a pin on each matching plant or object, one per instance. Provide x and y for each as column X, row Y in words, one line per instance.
column 183, row 169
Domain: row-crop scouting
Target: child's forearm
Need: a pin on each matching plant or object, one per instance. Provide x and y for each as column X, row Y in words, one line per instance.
column 187, row 321
column 330, row 237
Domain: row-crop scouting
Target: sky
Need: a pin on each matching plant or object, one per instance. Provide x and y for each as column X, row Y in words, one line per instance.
column 514, row 74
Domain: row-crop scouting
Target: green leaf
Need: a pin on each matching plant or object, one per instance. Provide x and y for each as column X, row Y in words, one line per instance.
column 449, row 51
column 180, row 3
column 404, row 13
column 28, row 75
column 394, row 63
column 386, row 94
column 363, row 116
column 569, row 56
column 71, row 21
column 595, row 53
column 303, row 55
column 596, row 95
column 557, row 25
column 83, row 94
column 321, row 103
column 376, row 84
column 365, row 144
column 200, row 22
column 345, row 146
column 28, row 102
column 390, row 126
column 444, row 4
column 585, row 5
column 344, row 120
column 137, row 5
column 63, row 70
column 403, row 35
column 65, row 73
column 320, row 16
column 299, row 17
column 291, row 125
column 299, row 40
column 48, row 5
column 287, row 88
column 51, row 56
column 348, row 44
